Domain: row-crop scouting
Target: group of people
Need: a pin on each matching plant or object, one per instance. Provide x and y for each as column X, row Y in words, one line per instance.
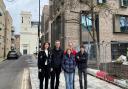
column 52, row 62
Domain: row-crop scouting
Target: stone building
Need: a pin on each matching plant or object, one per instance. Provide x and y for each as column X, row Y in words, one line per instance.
column 45, row 24
column 2, row 28
column 5, row 30
column 17, row 42
column 111, row 25
column 13, row 38
column 28, row 34
column 8, row 30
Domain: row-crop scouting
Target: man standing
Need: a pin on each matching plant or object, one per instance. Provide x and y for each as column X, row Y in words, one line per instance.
column 57, row 56
column 81, row 59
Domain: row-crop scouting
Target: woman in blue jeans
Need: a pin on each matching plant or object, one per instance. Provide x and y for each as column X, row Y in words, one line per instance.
column 68, row 65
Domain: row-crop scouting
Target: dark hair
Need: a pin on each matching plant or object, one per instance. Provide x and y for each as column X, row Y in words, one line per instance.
column 57, row 41
column 82, row 46
column 43, row 46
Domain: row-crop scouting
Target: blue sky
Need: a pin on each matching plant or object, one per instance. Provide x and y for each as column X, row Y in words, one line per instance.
column 17, row 6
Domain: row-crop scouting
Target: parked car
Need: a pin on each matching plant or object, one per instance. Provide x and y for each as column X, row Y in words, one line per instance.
column 12, row 55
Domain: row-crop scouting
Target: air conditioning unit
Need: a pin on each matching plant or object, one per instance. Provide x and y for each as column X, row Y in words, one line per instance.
column 124, row 3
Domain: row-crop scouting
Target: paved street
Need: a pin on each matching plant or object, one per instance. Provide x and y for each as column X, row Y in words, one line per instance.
column 14, row 74
column 93, row 82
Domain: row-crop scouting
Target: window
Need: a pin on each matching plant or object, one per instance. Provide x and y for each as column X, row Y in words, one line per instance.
column 83, row 1
column 22, row 19
column 86, row 22
column 118, row 49
column 123, row 3
column 0, row 14
column 121, row 24
column 86, row 27
column 101, row 1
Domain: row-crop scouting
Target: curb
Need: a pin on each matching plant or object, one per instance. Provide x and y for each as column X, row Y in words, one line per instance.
column 104, row 76
column 25, row 78
column 32, row 80
column 2, row 60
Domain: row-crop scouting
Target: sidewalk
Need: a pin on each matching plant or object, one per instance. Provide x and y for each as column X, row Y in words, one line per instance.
column 2, row 59
column 35, row 81
column 93, row 82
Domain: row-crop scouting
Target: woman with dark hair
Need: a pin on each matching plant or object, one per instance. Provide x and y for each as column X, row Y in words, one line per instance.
column 44, row 62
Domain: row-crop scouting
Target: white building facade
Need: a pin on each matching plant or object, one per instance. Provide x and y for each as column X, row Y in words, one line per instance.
column 29, row 34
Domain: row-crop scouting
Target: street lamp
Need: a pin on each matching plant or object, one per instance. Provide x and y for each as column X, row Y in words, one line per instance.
column 39, row 40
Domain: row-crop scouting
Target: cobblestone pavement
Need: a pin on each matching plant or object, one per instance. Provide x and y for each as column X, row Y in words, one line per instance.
column 93, row 82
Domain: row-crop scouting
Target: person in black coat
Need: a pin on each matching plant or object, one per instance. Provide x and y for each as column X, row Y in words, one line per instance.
column 81, row 59
column 57, row 56
column 44, row 65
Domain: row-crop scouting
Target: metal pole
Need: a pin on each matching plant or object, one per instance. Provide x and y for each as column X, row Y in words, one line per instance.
column 39, row 29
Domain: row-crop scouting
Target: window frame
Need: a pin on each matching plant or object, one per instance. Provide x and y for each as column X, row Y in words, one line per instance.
column 123, row 6
column 103, row 1
column 114, row 24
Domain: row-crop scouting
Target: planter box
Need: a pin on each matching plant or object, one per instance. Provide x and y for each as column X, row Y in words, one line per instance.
column 115, row 69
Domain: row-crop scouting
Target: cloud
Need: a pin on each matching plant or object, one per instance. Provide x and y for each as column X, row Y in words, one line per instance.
column 17, row 6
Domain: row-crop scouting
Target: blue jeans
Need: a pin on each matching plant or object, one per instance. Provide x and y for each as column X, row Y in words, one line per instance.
column 69, row 80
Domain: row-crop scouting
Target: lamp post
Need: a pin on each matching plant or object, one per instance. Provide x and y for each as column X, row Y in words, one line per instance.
column 39, row 40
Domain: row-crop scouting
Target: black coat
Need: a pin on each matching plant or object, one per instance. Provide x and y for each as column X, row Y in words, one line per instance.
column 57, row 57
column 81, row 60
column 41, row 63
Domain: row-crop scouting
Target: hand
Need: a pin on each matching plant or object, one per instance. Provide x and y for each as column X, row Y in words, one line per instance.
column 39, row 70
column 78, row 57
column 51, row 69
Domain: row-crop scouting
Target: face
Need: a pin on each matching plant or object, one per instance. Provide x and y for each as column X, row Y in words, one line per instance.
column 82, row 49
column 68, row 51
column 57, row 44
column 46, row 46
column 70, row 44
